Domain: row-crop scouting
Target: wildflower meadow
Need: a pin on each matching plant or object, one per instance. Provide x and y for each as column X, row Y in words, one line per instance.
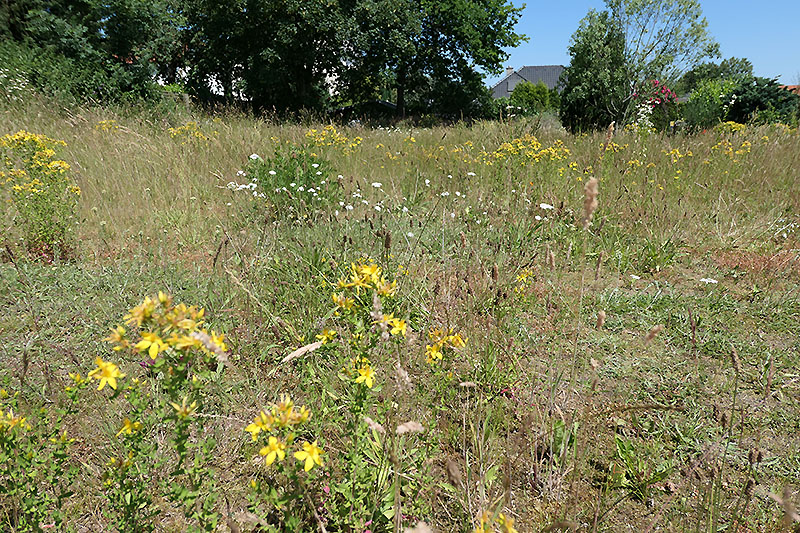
column 223, row 323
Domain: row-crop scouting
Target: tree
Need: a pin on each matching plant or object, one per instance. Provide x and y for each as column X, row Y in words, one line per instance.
column 763, row 100
column 663, row 38
column 293, row 51
column 619, row 52
column 729, row 69
column 422, row 47
column 534, row 97
column 595, row 82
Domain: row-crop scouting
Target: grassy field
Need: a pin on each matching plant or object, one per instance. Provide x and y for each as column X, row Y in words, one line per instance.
column 641, row 373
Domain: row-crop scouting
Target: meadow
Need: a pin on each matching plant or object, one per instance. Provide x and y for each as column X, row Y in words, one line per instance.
column 486, row 327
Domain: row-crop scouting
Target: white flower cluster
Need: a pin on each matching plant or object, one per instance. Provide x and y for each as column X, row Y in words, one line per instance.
column 12, row 84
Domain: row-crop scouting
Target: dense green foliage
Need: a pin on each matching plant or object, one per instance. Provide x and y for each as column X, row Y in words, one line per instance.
column 748, row 99
column 269, row 55
column 533, row 97
column 618, row 53
column 709, row 103
column 729, row 69
column 763, row 100
column 595, row 92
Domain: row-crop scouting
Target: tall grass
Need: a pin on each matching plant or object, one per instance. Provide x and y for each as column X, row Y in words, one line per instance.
column 693, row 244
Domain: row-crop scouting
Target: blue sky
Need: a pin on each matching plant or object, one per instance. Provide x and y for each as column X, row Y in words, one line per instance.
column 764, row 32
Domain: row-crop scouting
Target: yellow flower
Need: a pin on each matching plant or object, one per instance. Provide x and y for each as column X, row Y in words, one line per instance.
column 398, row 326
column 300, row 416
column 129, row 427
column 385, row 288
column 433, row 353
column 142, row 312
column 152, row 343
column 366, row 376
column 263, row 422
column 117, row 337
column 184, row 410
column 326, row 336
column 506, row 524
column 372, row 272
column 182, row 342
column 310, row 454
column 9, row 421
column 106, row 372
column 219, row 340
column 343, row 302
column 456, row 341
column 275, row 449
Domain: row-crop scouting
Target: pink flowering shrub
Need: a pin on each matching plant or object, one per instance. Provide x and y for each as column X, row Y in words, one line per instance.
column 662, row 101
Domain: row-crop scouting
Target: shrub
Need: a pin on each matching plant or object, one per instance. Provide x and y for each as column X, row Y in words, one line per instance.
column 709, row 103
column 533, row 98
column 763, row 101
column 294, row 180
column 658, row 102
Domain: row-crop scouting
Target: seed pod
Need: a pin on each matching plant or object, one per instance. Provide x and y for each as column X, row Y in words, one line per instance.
column 601, row 319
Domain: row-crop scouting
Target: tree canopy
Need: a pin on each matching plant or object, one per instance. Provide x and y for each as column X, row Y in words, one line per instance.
column 595, row 88
column 618, row 52
column 282, row 55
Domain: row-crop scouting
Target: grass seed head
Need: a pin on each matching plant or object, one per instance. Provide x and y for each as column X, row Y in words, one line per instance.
column 589, row 201
column 601, row 319
column 410, row 427
column 737, row 364
column 655, row 330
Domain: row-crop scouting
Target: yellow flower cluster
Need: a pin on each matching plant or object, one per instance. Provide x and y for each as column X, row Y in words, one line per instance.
column 189, row 131
column 38, row 171
column 486, row 523
column 167, row 326
column 676, row 155
column 106, row 125
column 9, row 421
column 328, row 136
column 730, row 127
column 526, row 150
column 441, row 340
column 364, row 276
column 282, row 414
column 613, row 147
column 277, row 424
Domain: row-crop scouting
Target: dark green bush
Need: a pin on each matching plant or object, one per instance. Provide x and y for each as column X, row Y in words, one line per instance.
column 764, row 101
column 532, row 97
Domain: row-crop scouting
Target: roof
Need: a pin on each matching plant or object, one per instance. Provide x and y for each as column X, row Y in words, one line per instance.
column 547, row 74
column 793, row 88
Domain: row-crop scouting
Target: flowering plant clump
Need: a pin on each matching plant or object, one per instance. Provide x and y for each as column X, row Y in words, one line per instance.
column 106, row 125
column 495, row 523
column 190, row 132
column 278, row 485
column 442, row 342
column 41, row 191
column 293, row 179
column 656, row 105
column 361, row 300
column 170, row 339
column 276, row 428
column 329, row 136
column 36, row 471
column 177, row 352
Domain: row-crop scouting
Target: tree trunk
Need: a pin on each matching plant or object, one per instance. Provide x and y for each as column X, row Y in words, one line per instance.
column 401, row 91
